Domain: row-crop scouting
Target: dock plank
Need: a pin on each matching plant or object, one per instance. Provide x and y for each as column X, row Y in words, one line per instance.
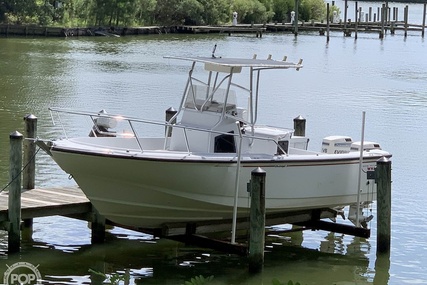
column 48, row 202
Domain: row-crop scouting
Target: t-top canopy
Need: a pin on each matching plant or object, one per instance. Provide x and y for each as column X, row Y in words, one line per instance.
column 235, row 65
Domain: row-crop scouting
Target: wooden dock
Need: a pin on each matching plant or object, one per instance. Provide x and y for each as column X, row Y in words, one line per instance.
column 38, row 202
column 258, row 30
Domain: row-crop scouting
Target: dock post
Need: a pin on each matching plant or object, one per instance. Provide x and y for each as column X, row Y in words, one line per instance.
column 169, row 115
column 257, row 221
column 383, row 179
column 98, row 227
column 405, row 15
column 299, row 126
column 345, row 17
column 29, row 171
column 424, row 20
column 296, row 18
column 381, row 36
column 356, row 19
column 327, row 22
column 14, row 202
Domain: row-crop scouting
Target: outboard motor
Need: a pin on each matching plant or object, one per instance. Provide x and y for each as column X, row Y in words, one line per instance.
column 102, row 126
column 367, row 146
column 336, row 144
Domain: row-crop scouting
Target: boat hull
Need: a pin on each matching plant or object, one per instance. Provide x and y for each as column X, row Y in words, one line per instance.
column 141, row 191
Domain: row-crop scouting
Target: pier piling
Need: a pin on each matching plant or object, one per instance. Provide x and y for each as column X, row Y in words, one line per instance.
column 382, row 31
column 405, row 16
column 299, row 126
column 98, row 227
column 383, row 179
column 423, row 26
column 14, row 202
column 29, row 171
column 327, row 22
column 257, row 221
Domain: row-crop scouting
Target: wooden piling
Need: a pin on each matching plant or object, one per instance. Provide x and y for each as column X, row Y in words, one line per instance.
column 97, row 227
column 296, row 18
column 405, row 15
column 381, row 36
column 345, row 17
column 327, row 22
column 299, row 126
column 257, row 221
column 14, row 202
column 424, row 20
column 29, row 171
column 383, row 180
column 356, row 20
column 27, row 230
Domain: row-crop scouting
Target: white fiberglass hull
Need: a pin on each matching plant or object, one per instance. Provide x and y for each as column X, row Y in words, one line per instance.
column 152, row 188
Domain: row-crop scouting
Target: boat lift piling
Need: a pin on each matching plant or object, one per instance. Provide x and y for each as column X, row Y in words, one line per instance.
column 257, row 221
column 299, row 126
column 29, row 171
column 14, row 205
column 383, row 179
column 423, row 26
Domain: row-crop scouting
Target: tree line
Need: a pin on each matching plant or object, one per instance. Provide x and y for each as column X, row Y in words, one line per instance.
column 74, row 13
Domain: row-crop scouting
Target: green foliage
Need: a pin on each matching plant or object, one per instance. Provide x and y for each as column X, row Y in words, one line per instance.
column 282, row 10
column 249, row 11
column 312, row 10
column 199, row 280
column 145, row 12
column 74, row 13
column 216, row 12
column 18, row 11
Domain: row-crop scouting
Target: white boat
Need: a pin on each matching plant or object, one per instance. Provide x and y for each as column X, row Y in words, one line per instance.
column 198, row 168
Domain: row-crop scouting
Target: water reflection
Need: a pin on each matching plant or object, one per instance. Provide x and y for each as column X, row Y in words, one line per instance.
column 382, row 268
column 337, row 259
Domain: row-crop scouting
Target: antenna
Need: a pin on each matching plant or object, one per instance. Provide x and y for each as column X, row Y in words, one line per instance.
column 213, row 52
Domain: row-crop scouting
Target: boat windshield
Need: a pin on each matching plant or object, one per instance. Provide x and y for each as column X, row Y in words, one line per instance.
column 205, row 98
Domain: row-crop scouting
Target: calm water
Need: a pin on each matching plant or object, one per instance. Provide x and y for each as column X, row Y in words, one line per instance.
column 340, row 80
